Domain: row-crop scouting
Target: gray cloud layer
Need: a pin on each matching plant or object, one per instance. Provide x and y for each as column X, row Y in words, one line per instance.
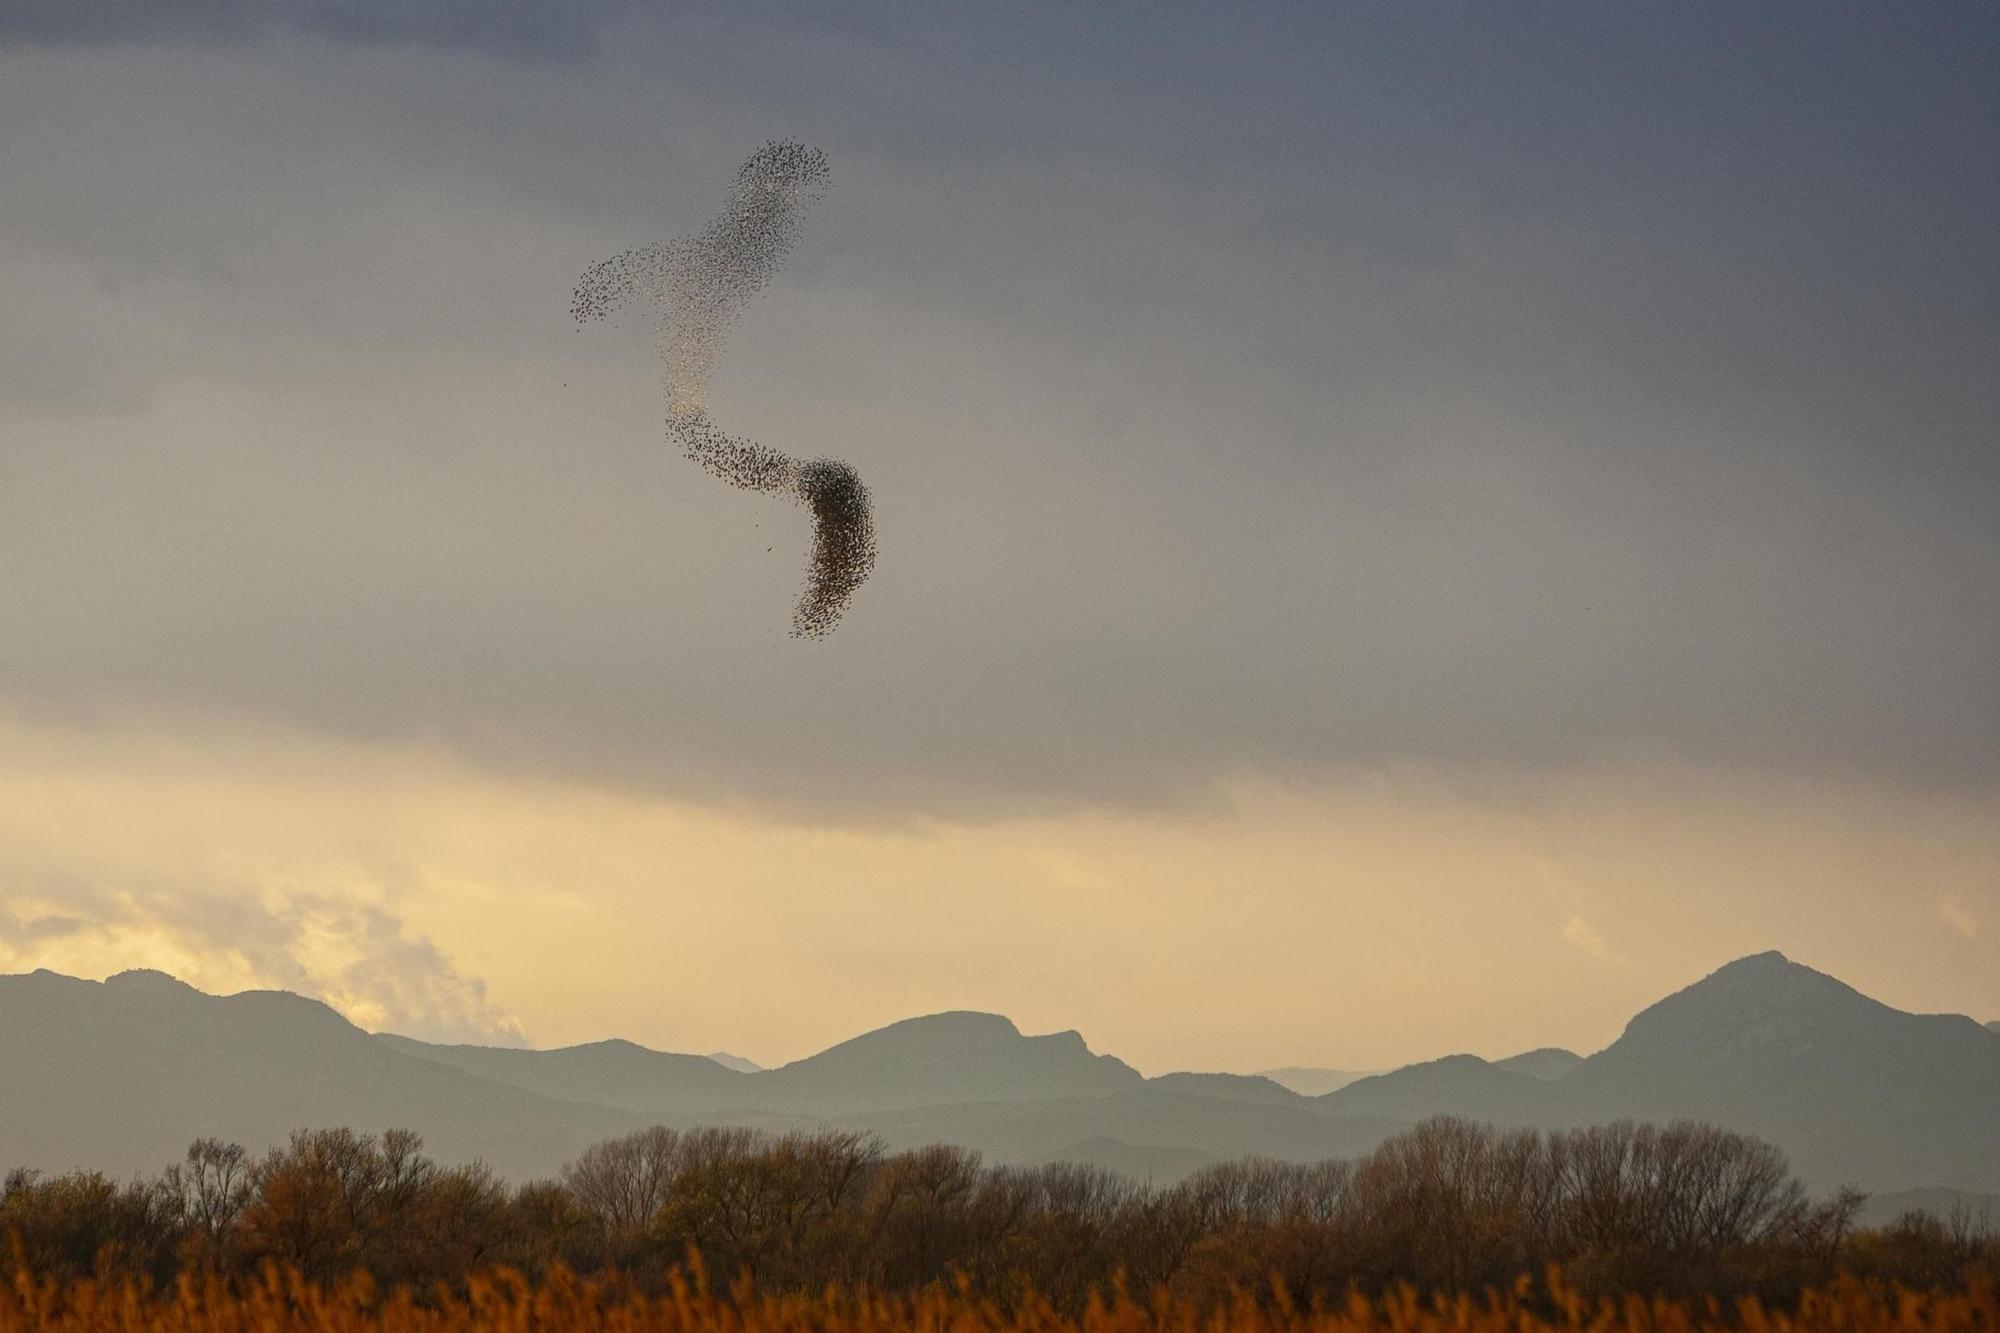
column 515, row 29
column 1411, row 385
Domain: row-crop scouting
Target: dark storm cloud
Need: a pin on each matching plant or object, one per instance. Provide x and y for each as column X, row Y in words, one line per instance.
column 517, row 29
column 1400, row 383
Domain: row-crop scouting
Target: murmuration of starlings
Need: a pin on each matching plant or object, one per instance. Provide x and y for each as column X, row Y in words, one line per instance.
column 700, row 284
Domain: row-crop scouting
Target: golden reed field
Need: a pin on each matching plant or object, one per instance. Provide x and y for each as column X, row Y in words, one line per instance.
column 562, row 1303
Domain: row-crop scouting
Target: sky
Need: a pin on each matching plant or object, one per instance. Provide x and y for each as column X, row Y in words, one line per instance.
column 1403, row 528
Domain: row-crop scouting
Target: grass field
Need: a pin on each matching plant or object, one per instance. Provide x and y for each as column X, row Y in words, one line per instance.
column 562, row 1303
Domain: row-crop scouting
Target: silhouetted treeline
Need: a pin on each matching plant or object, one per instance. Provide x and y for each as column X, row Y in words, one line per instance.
column 1684, row 1210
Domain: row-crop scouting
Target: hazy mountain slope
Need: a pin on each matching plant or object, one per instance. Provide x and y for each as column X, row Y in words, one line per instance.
column 1853, row 1090
column 1456, row 1085
column 735, row 1062
column 1309, row 1081
column 608, row 1073
column 1228, row 1087
column 1145, row 1118
column 1547, row 1063
column 951, row 1057
column 941, row 1058
column 120, row 1075
column 1159, row 1166
column 1994, row 1027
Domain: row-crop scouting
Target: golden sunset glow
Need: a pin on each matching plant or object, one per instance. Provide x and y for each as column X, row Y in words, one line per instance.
column 1495, row 919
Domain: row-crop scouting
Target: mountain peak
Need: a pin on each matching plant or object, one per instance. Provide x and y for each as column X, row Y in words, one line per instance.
column 1768, row 963
column 1544, row 1062
column 957, row 1023
column 122, row 1074
column 150, row 977
column 1757, row 986
column 951, row 1033
column 1853, row 1089
column 960, row 1055
column 153, row 984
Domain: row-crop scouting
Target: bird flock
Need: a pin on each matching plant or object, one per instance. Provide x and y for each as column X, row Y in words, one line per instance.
column 700, row 284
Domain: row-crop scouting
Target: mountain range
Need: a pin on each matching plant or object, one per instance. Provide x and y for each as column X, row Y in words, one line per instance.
column 1311, row 1081
column 120, row 1075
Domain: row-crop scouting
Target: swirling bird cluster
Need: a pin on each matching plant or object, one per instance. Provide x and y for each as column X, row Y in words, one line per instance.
column 700, row 284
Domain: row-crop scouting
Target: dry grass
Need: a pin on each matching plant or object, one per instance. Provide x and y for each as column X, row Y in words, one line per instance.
column 504, row 1301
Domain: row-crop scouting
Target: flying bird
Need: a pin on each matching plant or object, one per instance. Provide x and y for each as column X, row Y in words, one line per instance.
column 700, row 284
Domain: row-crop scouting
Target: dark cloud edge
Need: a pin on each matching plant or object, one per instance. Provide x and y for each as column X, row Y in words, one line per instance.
column 528, row 31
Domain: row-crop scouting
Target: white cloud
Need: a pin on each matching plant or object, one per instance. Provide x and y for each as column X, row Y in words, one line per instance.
column 356, row 955
column 1951, row 910
column 1580, row 935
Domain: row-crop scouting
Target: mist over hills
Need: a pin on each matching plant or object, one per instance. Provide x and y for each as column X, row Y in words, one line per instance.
column 120, row 1075
column 1457, row 1084
column 616, row 1073
column 1853, row 1090
column 940, row 1059
column 1546, row 1062
column 1311, row 1081
column 1849, row 1086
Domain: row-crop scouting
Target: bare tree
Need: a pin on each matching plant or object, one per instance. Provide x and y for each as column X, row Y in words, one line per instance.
column 623, row 1181
column 210, row 1187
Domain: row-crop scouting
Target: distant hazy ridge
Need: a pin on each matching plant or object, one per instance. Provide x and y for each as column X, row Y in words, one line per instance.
column 120, row 1075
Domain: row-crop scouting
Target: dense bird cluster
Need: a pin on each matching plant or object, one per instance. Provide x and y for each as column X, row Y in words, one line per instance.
column 700, row 284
